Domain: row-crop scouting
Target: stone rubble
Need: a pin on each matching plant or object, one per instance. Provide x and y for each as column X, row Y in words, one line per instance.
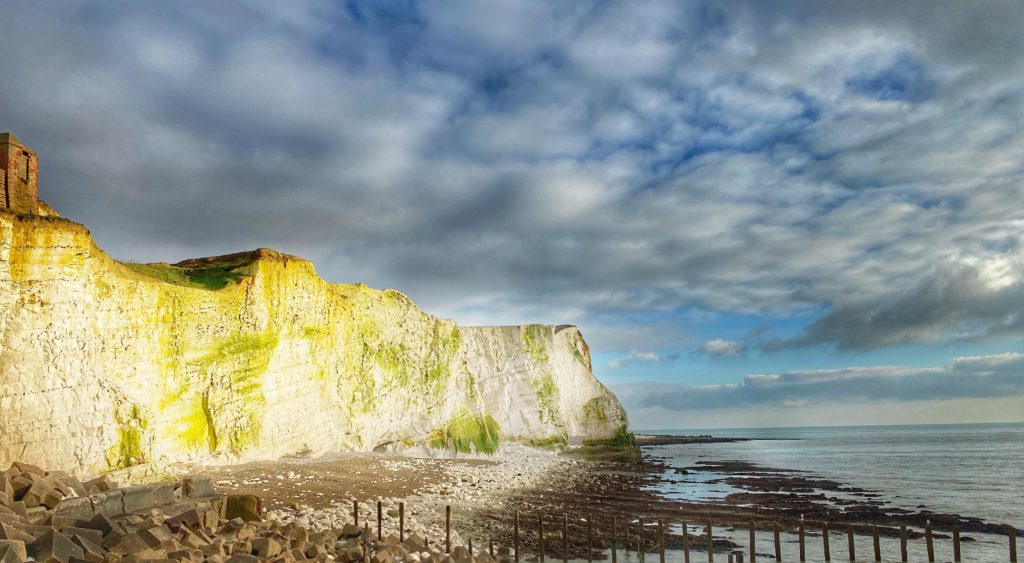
column 466, row 489
column 53, row 517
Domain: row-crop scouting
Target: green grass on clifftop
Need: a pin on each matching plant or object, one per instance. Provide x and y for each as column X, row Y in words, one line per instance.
column 212, row 277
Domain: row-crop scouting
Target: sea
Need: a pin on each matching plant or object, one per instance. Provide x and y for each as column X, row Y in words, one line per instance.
column 968, row 469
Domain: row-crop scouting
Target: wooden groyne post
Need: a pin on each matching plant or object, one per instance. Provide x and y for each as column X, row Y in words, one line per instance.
column 753, row 539
column 686, row 543
column 590, row 541
column 778, row 543
column 711, row 545
column 380, row 519
column 661, row 541
column 956, row 544
column 851, row 546
column 448, row 531
column 928, row 541
column 903, row 543
column 540, row 535
column 803, row 548
column 355, row 511
column 565, row 538
column 615, row 536
column 1013, row 544
column 878, row 546
column 515, row 535
column 824, row 541
column 401, row 521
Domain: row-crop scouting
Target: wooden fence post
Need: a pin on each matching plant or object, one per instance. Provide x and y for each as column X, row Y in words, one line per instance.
column 686, row 543
column 355, row 511
column 824, row 541
column 903, row 543
column 878, row 547
column 753, row 539
column 469, row 545
column 490, row 549
column 956, row 544
column 448, row 530
column 850, row 545
column 380, row 519
column 778, row 543
column 1013, row 544
column 928, row 541
column 711, row 545
column 515, row 535
column 401, row 521
column 661, row 541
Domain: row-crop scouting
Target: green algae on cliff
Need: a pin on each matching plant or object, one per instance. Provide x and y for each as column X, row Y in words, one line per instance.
column 131, row 431
column 468, row 433
column 222, row 369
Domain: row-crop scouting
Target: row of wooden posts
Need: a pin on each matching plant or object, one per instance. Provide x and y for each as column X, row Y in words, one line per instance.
column 736, row 557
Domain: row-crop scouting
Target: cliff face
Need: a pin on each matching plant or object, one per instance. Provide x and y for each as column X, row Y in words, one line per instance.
column 106, row 365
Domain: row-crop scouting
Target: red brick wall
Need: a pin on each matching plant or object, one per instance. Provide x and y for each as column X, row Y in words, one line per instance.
column 20, row 195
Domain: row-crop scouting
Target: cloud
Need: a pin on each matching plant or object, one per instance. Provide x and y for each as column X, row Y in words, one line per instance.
column 636, row 357
column 720, row 348
column 582, row 162
column 962, row 302
column 980, row 377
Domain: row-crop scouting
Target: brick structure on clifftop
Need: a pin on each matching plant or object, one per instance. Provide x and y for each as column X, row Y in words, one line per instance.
column 19, row 176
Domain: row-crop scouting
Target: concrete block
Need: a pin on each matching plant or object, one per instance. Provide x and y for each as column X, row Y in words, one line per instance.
column 8, row 555
column 24, row 468
column 79, row 508
column 35, row 515
column 92, row 536
column 266, row 548
column 54, row 546
column 8, row 532
column 197, row 486
column 92, row 550
column 246, row 507
column 108, row 503
column 99, row 484
column 16, row 545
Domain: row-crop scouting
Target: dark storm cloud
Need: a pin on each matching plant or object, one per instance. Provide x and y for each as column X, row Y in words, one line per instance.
column 968, row 377
column 558, row 161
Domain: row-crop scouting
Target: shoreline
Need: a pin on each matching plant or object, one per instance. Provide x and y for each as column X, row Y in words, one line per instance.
column 485, row 494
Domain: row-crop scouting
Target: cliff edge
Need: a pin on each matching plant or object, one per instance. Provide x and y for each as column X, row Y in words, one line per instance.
column 105, row 365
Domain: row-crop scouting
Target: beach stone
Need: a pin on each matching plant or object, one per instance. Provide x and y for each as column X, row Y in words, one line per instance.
column 243, row 558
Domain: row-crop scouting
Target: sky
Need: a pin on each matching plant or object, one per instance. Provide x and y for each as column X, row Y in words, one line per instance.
column 758, row 213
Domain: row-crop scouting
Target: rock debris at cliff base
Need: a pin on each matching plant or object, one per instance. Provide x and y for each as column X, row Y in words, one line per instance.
column 54, row 517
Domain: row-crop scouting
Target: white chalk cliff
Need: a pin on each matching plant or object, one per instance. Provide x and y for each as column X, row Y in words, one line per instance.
column 106, row 365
